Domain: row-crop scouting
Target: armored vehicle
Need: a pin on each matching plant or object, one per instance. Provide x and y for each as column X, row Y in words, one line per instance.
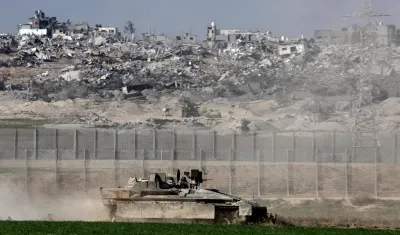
column 166, row 198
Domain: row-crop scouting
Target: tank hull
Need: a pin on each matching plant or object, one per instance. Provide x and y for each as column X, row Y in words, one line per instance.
column 160, row 199
column 176, row 210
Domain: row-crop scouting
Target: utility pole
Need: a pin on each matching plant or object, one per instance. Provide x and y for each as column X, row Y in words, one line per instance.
column 365, row 146
column 367, row 26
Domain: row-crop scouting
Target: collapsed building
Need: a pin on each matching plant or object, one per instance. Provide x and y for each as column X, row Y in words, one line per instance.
column 41, row 25
column 221, row 38
column 215, row 35
column 230, row 65
column 138, row 65
column 385, row 35
column 68, row 29
column 105, row 30
column 186, row 38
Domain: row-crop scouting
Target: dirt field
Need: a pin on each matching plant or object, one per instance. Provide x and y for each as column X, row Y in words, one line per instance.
column 301, row 181
column 62, row 189
column 361, row 211
column 263, row 114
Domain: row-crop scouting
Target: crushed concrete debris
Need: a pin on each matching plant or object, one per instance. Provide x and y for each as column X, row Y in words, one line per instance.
column 109, row 68
column 109, row 63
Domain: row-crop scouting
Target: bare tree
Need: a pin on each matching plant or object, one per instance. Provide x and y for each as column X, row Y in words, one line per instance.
column 130, row 29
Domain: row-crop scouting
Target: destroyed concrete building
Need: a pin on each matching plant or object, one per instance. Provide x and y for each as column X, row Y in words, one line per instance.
column 216, row 36
column 79, row 29
column 39, row 24
column 141, row 72
column 68, row 29
column 335, row 37
column 151, row 37
column 60, row 32
column 386, row 34
column 225, row 37
column 291, row 48
column 83, row 29
column 101, row 30
column 187, row 38
column 253, row 66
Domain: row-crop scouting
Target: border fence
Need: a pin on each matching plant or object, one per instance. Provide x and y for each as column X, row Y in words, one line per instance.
column 259, row 165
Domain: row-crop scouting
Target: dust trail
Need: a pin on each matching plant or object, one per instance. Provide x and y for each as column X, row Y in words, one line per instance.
column 15, row 205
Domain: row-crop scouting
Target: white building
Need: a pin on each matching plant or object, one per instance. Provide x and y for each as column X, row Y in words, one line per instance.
column 289, row 49
column 26, row 30
column 106, row 30
column 215, row 35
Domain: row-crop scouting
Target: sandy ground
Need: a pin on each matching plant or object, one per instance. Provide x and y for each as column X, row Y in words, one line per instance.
column 362, row 212
column 17, row 206
column 218, row 114
column 359, row 211
column 59, row 196
column 263, row 114
column 301, row 181
column 43, row 192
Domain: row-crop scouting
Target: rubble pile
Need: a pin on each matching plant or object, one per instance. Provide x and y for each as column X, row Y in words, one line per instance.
column 111, row 68
column 111, row 63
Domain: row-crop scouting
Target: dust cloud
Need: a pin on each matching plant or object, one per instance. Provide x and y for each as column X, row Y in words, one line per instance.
column 16, row 206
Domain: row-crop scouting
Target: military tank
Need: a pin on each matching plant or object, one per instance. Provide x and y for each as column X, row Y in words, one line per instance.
column 175, row 199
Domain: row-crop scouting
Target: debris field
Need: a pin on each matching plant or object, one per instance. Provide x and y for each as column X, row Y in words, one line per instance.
column 113, row 81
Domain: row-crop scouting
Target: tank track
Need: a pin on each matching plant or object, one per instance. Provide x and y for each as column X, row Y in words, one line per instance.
column 228, row 215
column 224, row 214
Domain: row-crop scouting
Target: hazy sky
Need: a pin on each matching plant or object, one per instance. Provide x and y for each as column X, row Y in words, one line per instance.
column 282, row 17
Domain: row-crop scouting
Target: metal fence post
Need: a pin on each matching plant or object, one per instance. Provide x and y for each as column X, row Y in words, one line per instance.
column 395, row 147
column 313, row 146
column 287, row 173
column 376, row 172
column 254, row 146
column 35, row 143
column 233, row 149
column 230, row 171
column 317, row 172
column 96, row 134
column 259, row 173
column 27, row 188
column 84, row 172
column 334, row 146
column 143, row 162
column 154, row 143
column 115, row 171
column 293, row 146
column 76, row 143
column 201, row 160
column 135, row 143
column 56, row 143
column 174, row 144
column 194, row 144
column 214, row 134
column 273, row 146
column 161, row 159
column 346, row 174
column 173, row 160
column 115, row 144
column 16, row 144
column 56, row 170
